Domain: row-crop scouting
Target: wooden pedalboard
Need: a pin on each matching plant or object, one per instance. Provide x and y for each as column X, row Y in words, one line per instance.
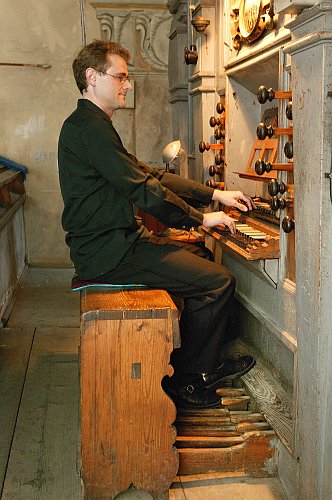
column 232, row 438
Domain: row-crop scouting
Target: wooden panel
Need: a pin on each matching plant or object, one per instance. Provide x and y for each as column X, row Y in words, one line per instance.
column 44, row 450
column 105, row 303
column 126, row 418
column 252, row 457
column 15, row 348
column 273, row 402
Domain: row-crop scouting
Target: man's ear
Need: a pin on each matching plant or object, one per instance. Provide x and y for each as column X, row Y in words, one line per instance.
column 90, row 75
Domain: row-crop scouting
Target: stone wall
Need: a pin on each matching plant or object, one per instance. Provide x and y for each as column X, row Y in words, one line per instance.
column 38, row 43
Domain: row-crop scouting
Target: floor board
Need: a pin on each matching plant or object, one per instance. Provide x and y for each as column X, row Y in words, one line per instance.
column 216, row 487
column 15, row 346
column 43, row 457
column 45, row 299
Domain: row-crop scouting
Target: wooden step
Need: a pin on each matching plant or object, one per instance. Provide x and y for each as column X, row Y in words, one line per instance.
column 254, row 457
column 232, row 438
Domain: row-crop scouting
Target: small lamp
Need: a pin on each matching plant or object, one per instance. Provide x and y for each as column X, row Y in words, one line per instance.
column 200, row 24
column 170, row 152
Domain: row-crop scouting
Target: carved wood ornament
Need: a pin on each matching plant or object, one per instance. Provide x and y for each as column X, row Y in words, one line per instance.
column 249, row 19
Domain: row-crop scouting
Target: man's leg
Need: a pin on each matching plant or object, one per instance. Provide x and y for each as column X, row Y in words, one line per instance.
column 207, row 289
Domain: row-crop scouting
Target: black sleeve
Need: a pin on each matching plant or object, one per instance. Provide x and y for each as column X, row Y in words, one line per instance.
column 106, row 153
column 194, row 193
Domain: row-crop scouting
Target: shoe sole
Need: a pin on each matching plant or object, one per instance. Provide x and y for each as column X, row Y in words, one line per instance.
column 180, row 404
column 227, row 378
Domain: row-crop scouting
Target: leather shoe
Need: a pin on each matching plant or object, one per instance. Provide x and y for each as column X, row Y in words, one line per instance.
column 190, row 394
column 229, row 369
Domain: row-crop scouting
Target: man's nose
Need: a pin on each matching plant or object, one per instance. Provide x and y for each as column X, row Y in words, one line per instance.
column 128, row 85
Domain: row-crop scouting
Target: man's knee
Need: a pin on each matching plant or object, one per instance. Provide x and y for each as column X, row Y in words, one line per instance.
column 227, row 280
column 221, row 282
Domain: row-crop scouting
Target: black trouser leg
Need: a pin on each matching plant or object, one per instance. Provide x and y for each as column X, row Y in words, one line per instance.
column 206, row 287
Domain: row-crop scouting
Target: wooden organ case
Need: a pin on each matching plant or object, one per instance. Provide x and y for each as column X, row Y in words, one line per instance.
column 241, row 138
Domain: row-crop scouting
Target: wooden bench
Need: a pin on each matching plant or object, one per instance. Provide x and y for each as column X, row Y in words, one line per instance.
column 127, row 337
column 10, row 181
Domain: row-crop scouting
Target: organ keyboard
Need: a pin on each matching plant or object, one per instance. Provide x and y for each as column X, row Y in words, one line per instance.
column 254, row 239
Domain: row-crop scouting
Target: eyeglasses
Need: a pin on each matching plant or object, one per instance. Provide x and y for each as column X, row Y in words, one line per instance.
column 122, row 78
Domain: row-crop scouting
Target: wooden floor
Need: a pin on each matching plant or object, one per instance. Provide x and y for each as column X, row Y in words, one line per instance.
column 39, row 411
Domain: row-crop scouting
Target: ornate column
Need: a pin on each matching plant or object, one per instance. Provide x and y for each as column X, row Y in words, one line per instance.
column 192, row 86
column 202, row 89
column 178, row 77
column 145, row 126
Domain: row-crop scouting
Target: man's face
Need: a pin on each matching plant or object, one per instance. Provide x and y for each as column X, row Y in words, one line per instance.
column 110, row 91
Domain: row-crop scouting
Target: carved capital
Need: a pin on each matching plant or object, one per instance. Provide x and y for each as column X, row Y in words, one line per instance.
column 153, row 26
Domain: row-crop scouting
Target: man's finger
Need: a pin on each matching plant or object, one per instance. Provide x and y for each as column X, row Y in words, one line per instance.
column 242, row 207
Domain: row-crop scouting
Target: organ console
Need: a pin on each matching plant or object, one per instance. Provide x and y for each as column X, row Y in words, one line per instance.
column 254, row 239
column 257, row 232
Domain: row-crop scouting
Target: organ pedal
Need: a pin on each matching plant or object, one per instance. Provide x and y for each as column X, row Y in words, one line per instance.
column 232, row 438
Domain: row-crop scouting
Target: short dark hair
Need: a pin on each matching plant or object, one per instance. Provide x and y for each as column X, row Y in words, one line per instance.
column 94, row 56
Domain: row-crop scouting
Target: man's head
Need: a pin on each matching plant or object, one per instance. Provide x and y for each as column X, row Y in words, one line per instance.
column 101, row 74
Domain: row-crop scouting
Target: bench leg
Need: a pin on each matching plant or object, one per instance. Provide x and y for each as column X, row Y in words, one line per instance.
column 126, row 418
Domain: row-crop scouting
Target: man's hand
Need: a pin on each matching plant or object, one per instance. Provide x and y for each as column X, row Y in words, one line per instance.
column 234, row 199
column 212, row 219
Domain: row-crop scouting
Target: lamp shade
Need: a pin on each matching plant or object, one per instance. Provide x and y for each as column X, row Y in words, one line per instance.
column 171, row 151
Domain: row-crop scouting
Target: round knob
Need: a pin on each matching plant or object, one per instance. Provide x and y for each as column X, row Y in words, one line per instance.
column 275, row 203
column 219, row 159
column 214, row 170
column 263, row 131
column 282, row 188
column 202, row 146
column 214, row 121
column 264, row 95
column 261, row 167
column 289, row 111
column 288, row 224
column 219, row 133
column 288, row 149
column 213, row 184
column 274, row 188
column 220, row 108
